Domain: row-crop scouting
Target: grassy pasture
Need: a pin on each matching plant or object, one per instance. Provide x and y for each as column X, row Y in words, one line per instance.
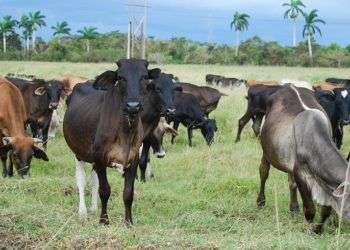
column 200, row 197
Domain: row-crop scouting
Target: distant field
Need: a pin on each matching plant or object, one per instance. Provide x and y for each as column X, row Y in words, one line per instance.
column 200, row 197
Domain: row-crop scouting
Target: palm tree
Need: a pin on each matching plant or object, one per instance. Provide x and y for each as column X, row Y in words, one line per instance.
column 37, row 21
column 61, row 28
column 27, row 29
column 240, row 23
column 7, row 25
column 293, row 11
column 310, row 28
column 88, row 33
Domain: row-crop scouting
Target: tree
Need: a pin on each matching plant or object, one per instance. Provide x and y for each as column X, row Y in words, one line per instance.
column 7, row 26
column 240, row 23
column 88, row 33
column 37, row 21
column 61, row 28
column 293, row 11
column 310, row 28
column 26, row 25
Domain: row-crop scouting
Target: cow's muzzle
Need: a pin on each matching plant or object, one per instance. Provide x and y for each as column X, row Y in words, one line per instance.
column 132, row 108
column 53, row 105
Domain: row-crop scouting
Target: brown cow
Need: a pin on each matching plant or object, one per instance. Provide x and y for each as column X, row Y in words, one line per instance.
column 69, row 81
column 250, row 83
column 207, row 97
column 12, row 135
column 326, row 86
column 104, row 128
column 297, row 138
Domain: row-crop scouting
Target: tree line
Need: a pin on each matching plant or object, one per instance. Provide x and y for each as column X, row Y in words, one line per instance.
column 88, row 45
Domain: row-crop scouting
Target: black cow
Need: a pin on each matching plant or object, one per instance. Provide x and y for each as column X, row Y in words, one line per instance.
column 189, row 113
column 336, row 103
column 213, row 79
column 256, row 109
column 338, row 81
column 41, row 98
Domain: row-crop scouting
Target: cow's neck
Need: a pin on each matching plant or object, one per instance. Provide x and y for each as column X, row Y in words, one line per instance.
column 151, row 113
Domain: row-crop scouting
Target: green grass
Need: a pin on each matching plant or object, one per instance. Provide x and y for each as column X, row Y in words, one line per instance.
column 200, row 197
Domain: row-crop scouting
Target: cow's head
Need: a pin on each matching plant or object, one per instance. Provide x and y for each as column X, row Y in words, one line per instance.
column 208, row 129
column 127, row 79
column 342, row 105
column 22, row 150
column 342, row 193
column 52, row 90
column 156, row 139
column 165, row 87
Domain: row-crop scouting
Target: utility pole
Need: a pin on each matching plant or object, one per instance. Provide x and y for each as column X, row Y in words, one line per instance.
column 137, row 28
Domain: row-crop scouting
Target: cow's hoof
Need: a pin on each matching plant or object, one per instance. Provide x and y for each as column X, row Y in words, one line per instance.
column 294, row 209
column 82, row 213
column 316, row 228
column 104, row 220
column 260, row 202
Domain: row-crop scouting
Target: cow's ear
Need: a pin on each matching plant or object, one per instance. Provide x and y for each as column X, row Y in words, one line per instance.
column 5, row 149
column 40, row 91
column 106, row 80
column 154, row 73
column 40, row 154
column 178, row 87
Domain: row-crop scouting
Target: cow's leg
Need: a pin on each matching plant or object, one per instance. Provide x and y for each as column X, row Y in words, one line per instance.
column 264, row 174
column 4, row 166
column 45, row 133
column 190, row 135
column 306, row 196
column 10, row 167
column 81, row 182
column 241, row 123
column 104, row 191
column 326, row 211
column 176, row 126
column 338, row 136
column 293, row 207
column 144, row 160
column 128, row 193
column 94, row 191
column 257, row 124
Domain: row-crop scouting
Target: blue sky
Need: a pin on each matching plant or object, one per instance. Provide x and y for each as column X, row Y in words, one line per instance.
column 202, row 20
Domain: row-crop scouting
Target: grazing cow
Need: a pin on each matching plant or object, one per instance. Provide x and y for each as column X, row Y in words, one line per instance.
column 189, row 113
column 338, row 81
column 207, row 97
column 257, row 100
column 250, row 83
column 213, row 79
column 69, row 81
column 336, row 103
column 296, row 138
column 231, row 82
column 41, row 99
column 326, row 86
column 104, row 128
column 12, row 135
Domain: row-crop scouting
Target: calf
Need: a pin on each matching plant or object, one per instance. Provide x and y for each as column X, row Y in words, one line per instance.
column 12, row 135
column 207, row 97
column 189, row 113
column 297, row 138
column 104, row 128
column 213, row 79
column 256, row 109
column 41, row 99
column 336, row 103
